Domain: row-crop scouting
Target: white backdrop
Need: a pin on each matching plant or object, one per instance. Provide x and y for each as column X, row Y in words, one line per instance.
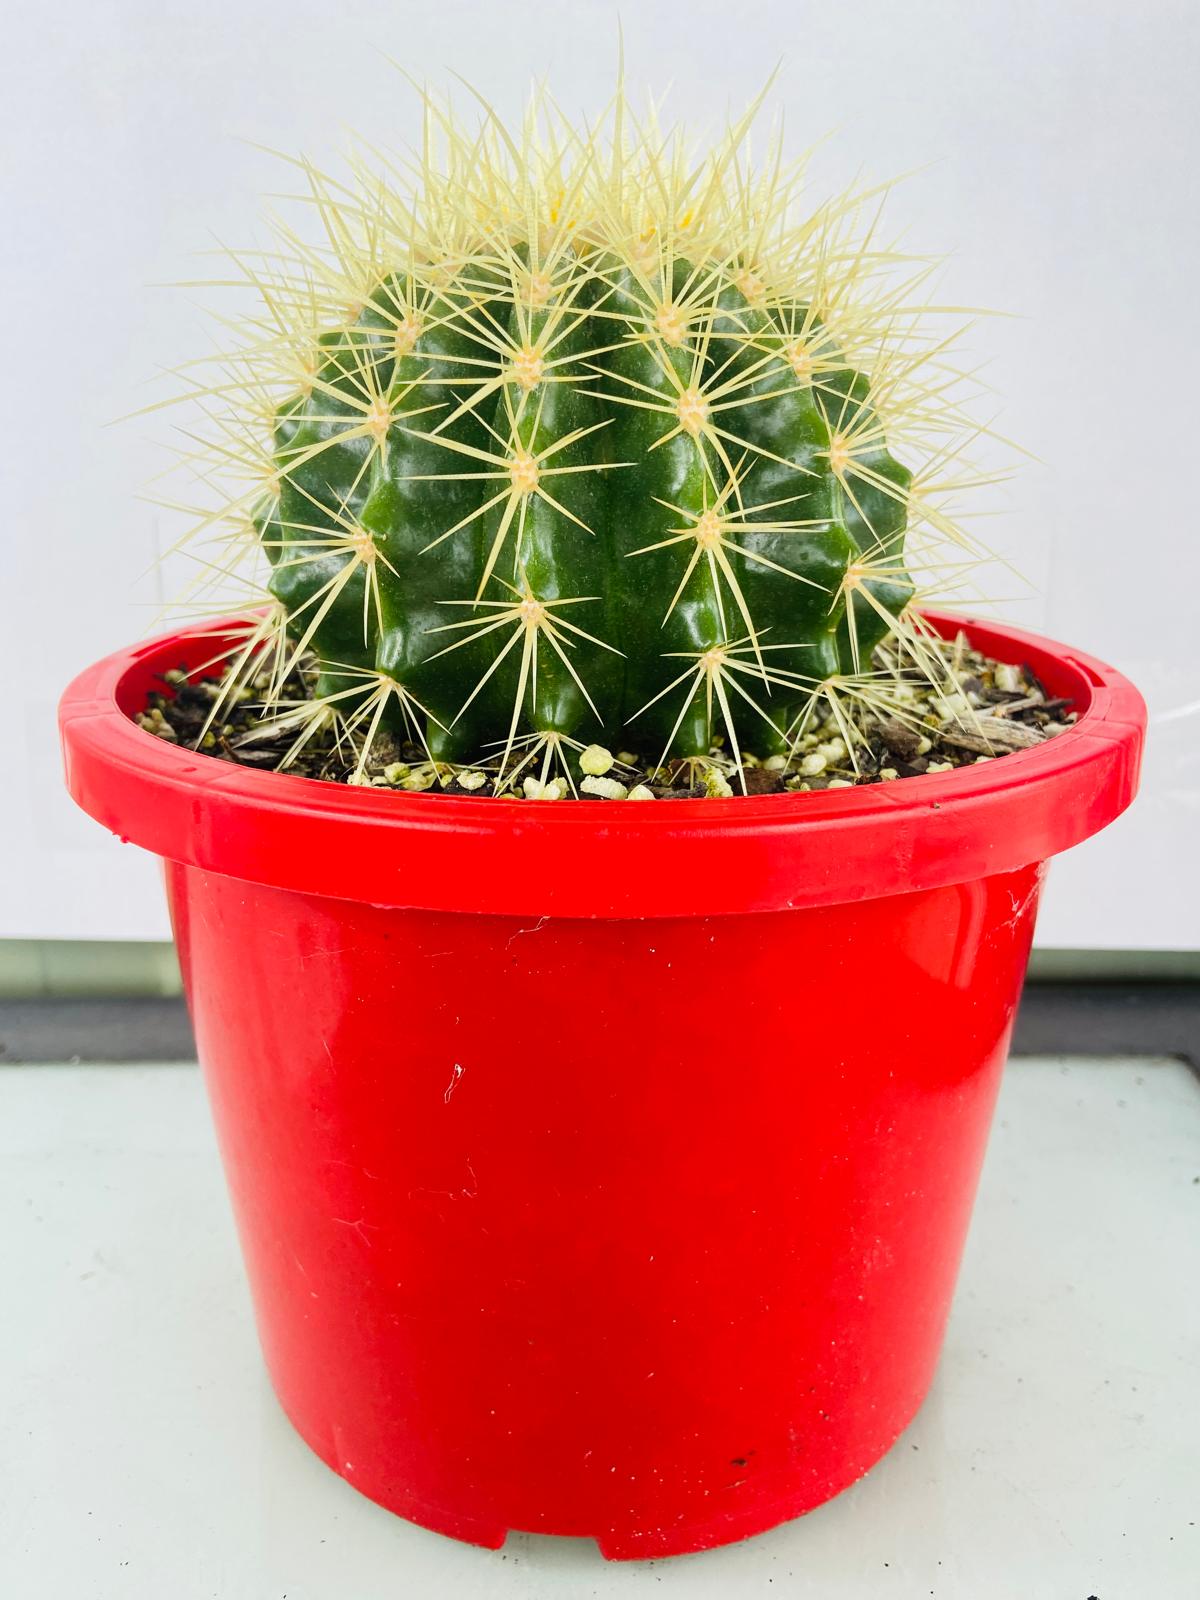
column 1058, row 145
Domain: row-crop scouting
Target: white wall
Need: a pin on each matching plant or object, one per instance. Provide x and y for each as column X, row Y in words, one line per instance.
column 1059, row 143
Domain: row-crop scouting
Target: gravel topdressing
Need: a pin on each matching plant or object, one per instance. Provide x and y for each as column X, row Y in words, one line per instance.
column 983, row 710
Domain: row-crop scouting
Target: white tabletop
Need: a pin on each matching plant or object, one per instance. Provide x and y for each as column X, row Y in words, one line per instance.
column 142, row 1454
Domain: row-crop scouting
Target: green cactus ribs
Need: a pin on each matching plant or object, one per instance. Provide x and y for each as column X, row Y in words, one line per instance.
column 584, row 442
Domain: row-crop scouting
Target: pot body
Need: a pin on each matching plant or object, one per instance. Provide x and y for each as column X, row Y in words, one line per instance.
column 642, row 1229
column 602, row 1169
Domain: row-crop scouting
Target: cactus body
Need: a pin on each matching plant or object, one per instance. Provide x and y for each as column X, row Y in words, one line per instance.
column 583, row 460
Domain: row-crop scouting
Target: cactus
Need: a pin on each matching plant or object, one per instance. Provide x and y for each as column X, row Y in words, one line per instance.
column 580, row 442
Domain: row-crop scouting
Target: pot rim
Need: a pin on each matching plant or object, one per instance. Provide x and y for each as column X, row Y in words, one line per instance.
column 600, row 858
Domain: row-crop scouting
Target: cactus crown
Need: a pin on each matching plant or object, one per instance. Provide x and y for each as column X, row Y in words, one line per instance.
column 567, row 437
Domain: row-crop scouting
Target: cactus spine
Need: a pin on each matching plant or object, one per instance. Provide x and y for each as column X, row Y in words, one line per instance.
column 578, row 441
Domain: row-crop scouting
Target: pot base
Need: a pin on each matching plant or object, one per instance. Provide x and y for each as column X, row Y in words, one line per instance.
column 632, row 1541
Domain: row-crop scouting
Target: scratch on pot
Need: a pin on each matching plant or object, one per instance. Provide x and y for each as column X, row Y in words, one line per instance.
column 358, row 1226
column 1021, row 903
column 464, row 1193
column 455, row 1074
column 354, row 1166
column 540, row 923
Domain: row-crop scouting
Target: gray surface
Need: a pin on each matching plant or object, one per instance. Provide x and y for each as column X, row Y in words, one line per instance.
column 1110, row 1019
column 95, row 1029
column 142, row 1455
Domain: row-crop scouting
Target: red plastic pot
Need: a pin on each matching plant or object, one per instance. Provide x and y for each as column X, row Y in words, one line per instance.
column 602, row 1170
